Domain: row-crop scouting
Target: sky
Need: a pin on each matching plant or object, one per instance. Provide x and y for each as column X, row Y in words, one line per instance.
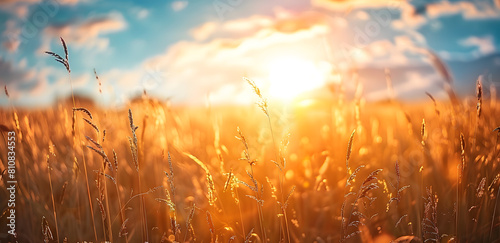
column 194, row 52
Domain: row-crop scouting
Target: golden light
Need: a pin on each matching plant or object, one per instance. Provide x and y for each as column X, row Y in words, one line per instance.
column 291, row 76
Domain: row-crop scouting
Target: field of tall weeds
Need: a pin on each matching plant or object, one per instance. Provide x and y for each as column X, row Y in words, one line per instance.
column 331, row 170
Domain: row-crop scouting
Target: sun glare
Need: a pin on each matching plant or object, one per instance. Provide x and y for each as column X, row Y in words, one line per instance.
column 289, row 77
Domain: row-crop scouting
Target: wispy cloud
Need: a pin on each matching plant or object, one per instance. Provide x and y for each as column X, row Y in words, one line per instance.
column 485, row 45
column 343, row 5
column 88, row 33
column 179, row 5
column 469, row 10
column 11, row 36
column 204, row 31
column 184, row 70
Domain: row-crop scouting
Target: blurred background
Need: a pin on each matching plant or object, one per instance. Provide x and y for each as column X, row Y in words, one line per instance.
column 194, row 52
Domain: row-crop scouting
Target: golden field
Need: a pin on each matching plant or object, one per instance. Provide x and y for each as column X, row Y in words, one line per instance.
column 312, row 171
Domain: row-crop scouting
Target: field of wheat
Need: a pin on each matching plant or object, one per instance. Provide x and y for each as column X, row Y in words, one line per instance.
column 315, row 171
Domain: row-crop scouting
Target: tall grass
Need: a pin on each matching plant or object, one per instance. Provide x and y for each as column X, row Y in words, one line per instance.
column 350, row 171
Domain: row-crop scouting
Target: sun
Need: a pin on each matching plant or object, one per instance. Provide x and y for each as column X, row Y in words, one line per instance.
column 292, row 76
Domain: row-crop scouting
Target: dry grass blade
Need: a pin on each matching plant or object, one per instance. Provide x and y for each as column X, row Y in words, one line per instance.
column 94, row 142
column 101, row 208
column 480, row 188
column 462, row 144
column 210, row 183
column 249, row 236
column 493, row 183
column 210, row 224
column 400, row 220
column 352, row 177
column 133, row 140
column 228, row 181
column 445, row 73
column 91, row 124
column 63, row 191
column 201, row 164
column 169, row 202
column 434, row 102
column 246, row 154
column 65, row 48
column 349, row 149
column 84, row 110
column 63, row 61
column 103, row 135
column 253, row 188
column 98, row 81
column 398, row 174
column 101, row 152
column 189, row 226
column 256, row 89
column 422, row 132
column 115, row 158
column 479, row 94
column 211, row 189
column 259, row 201
column 440, row 66
column 46, row 232
column 372, row 176
column 123, row 229
column 462, row 156
column 106, row 175
column 285, row 205
column 262, row 103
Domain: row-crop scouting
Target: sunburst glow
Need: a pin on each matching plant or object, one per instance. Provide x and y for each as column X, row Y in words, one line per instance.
column 291, row 76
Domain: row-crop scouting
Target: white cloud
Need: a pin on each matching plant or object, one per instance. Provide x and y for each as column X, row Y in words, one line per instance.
column 222, row 53
column 11, row 35
column 347, row 5
column 142, row 14
column 484, row 45
column 413, row 86
column 204, row 31
column 188, row 71
column 179, row 5
column 88, row 33
column 469, row 10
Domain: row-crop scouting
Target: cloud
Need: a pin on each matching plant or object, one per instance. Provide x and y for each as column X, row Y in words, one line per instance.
column 179, row 5
column 14, row 2
column 204, row 31
column 241, row 27
column 402, row 51
column 213, row 64
column 21, row 8
column 484, row 45
column 11, row 36
column 22, row 82
column 347, row 5
column 223, row 52
column 11, row 74
column 469, row 10
column 140, row 13
column 88, row 33
column 414, row 17
column 412, row 86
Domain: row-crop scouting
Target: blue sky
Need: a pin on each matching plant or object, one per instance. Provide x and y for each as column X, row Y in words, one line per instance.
column 194, row 51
